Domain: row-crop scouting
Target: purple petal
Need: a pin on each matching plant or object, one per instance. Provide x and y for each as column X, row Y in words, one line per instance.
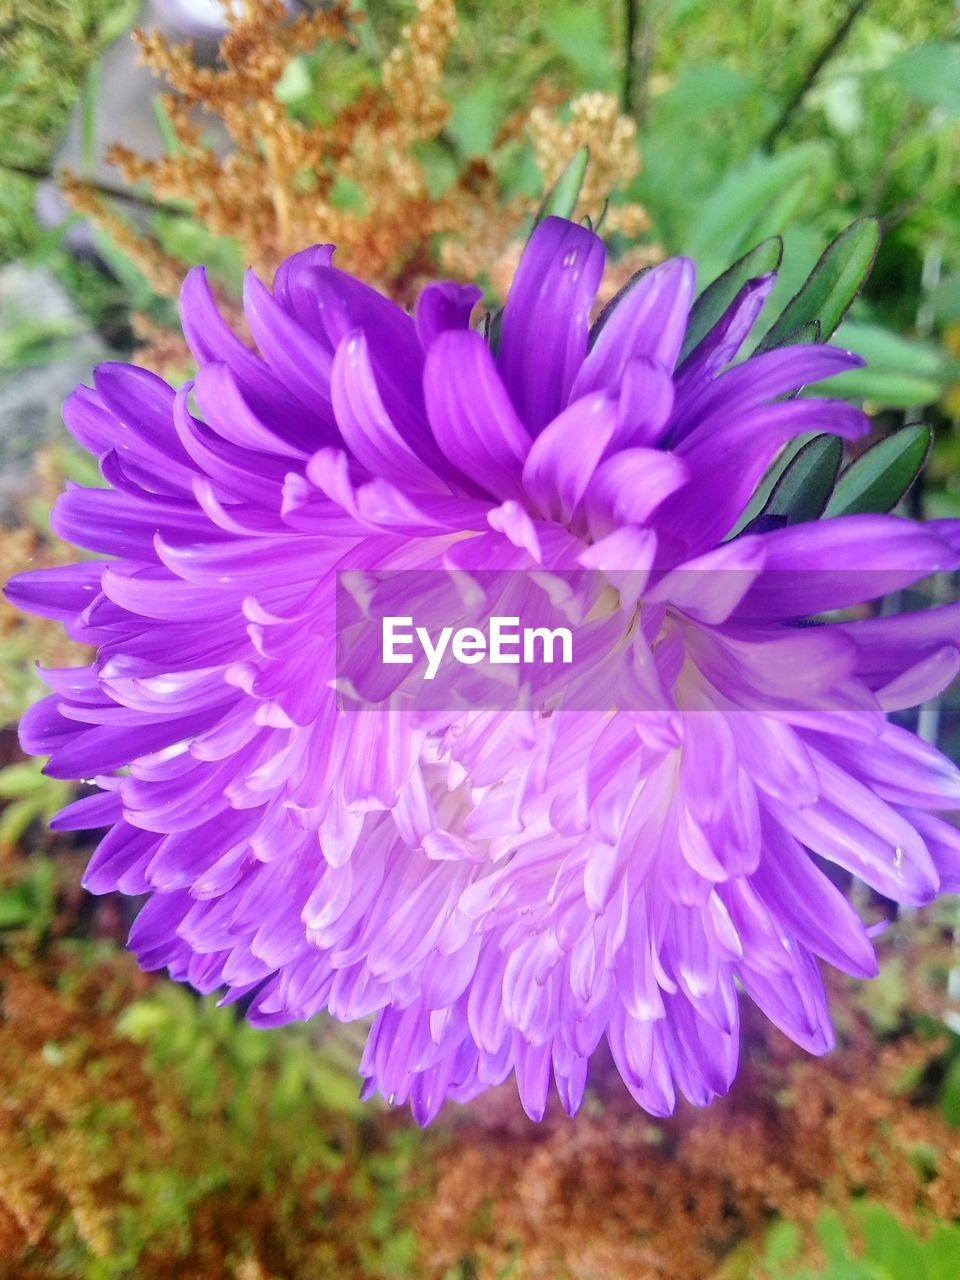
column 471, row 416
column 830, row 564
column 444, row 306
column 649, row 323
column 546, row 321
column 564, row 456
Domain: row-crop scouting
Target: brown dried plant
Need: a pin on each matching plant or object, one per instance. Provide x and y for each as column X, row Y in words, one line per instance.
column 275, row 188
column 620, row 1195
column 616, row 1194
column 90, row 1127
column 95, row 1138
column 92, row 1132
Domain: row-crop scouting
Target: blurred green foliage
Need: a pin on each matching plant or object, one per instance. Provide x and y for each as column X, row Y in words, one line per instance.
column 29, row 796
column 147, row 1132
column 879, row 1248
column 757, row 120
column 48, row 53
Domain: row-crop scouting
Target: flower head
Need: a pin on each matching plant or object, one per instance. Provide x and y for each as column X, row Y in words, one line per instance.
column 503, row 886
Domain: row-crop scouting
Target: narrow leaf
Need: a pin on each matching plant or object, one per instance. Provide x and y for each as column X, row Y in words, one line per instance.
column 884, row 388
column 561, row 200
column 832, row 285
column 806, row 335
column 717, row 297
column 802, row 492
column 88, row 117
column 880, row 477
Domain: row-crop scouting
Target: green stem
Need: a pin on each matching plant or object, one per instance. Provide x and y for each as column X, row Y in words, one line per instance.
column 637, row 58
column 816, row 66
column 41, row 174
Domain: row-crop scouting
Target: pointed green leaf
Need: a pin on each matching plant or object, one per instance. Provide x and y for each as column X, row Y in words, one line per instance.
column 802, row 492
column 561, row 200
column 900, row 372
column 832, row 285
column 806, row 335
column 730, row 218
column 717, row 297
column 494, row 329
column 880, row 477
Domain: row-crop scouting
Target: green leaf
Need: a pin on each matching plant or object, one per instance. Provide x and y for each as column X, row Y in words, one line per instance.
column 880, row 477
column 768, row 483
column 783, row 208
column 707, row 87
column 580, row 33
column 476, row 118
column 942, row 1251
column 944, row 298
column 143, row 1020
column 16, row 907
column 833, row 1237
column 729, row 218
column 806, row 335
column 802, row 492
column 880, row 346
column 23, row 779
column 32, row 901
column 884, row 388
column 165, row 123
column 348, row 195
column 950, row 1093
column 930, row 74
column 561, row 200
column 295, row 83
column 899, row 1254
column 190, row 241
column 832, row 285
column 717, row 297
column 117, row 17
column 783, row 1243
column 900, row 372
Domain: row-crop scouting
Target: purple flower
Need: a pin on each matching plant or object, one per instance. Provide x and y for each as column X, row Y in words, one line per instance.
column 502, row 887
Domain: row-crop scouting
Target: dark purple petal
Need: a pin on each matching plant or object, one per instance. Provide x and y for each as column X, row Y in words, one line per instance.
column 726, row 465
column 714, row 352
column 292, row 282
column 365, row 424
column 546, row 321
column 444, row 306
column 565, row 455
column 648, row 323
column 776, row 373
column 61, row 592
column 831, row 564
column 472, row 418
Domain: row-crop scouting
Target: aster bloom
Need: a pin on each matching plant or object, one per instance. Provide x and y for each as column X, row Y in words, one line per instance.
column 501, row 887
